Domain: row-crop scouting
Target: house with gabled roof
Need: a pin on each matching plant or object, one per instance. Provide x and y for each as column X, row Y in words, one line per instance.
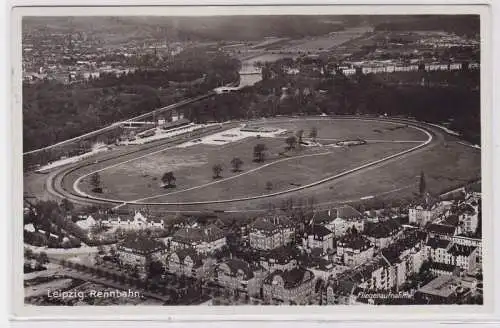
column 238, row 275
column 468, row 215
column 463, row 256
column 345, row 218
column 140, row 250
column 441, row 230
column 437, row 250
column 188, row 262
column 269, row 232
column 405, row 257
column 281, row 258
column 203, row 239
column 290, row 285
column 320, row 237
column 383, row 233
column 370, row 276
column 443, row 269
column 341, row 292
column 354, row 249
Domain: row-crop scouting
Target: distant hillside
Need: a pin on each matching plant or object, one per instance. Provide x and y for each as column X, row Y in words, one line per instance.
column 215, row 28
column 459, row 24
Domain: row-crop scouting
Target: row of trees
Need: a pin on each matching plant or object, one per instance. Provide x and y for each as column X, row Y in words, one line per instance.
column 259, row 154
column 456, row 102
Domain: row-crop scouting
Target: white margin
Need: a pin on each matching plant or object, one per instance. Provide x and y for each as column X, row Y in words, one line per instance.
column 13, row 159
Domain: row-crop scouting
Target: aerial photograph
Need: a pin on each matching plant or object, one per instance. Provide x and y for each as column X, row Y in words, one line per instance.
column 252, row 160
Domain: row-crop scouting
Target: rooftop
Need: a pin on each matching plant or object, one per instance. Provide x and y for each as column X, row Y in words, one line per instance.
column 190, row 235
column 354, row 241
column 191, row 252
column 443, row 286
column 461, row 250
column 291, row 278
column 142, row 245
column 443, row 267
column 346, row 212
column 283, row 254
column 451, row 220
column 318, row 230
column 441, row 229
column 382, row 229
column 271, row 223
column 236, row 265
column 437, row 243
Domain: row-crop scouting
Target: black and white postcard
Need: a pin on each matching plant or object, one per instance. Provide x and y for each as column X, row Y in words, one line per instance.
column 177, row 161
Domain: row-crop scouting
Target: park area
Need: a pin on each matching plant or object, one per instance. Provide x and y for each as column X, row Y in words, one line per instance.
column 295, row 169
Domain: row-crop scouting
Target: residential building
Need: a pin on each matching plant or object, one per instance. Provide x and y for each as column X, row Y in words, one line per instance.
column 238, row 275
column 140, row 250
column 370, row 276
column 383, row 233
column 270, row 232
column 443, row 269
column 420, row 215
column 320, row 237
column 343, row 219
column 188, row 262
column 341, row 292
column 323, row 268
column 443, row 231
column 405, row 257
column 444, row 289
column 463, row 256
column 447, row 252
column 428, row 210
column 469, row 241
column 469, row 217
column 281, row 258
column 203, row 240
column 291, row 285
column 354, row 249
column 436, row 250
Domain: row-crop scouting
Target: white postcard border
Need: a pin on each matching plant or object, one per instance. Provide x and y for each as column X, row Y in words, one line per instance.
column 282, row 313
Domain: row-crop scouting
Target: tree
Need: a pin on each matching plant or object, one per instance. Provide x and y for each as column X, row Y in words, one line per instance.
column 97, row 228
column 217, row 170
column 66, row 205
column 95, row 181
column 299, row 135
column 28, row 253
column 291, row 142
column 259, row 152
column 42, row 258
column 313, row 134
column 154, row 269
column 97, row 259
column 422, row 185
column 167, row 179
column 236, row 162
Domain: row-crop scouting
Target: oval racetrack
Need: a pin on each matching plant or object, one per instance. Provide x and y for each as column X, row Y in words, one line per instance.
column 63, row 184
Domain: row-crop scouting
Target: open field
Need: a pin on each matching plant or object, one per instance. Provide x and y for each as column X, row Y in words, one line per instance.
column 289, row 173
column 138, row 180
